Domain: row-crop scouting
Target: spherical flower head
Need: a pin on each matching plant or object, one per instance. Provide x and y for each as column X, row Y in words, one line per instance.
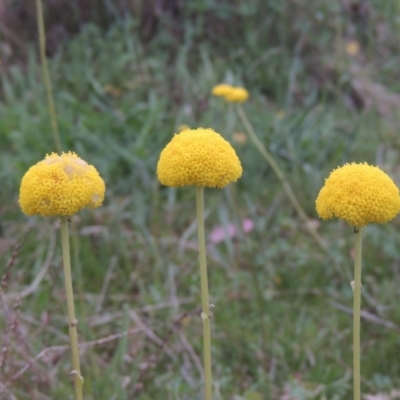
column 221, row 90
column 198, row 157
column 360, row 194
column 237, row 95
column 60, row 186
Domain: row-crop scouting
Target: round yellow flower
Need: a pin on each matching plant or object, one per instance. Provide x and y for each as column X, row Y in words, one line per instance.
column 199, row 157
column 237, row 95
column 360, row 194
column 60, row 186
column 221, row 90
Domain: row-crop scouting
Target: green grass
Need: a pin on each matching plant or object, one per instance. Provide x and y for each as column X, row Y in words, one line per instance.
column 280, row 323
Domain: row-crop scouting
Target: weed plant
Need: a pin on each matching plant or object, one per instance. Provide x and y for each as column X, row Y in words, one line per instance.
column 282, row 307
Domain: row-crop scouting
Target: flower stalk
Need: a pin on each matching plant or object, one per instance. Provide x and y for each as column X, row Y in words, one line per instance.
column 205, row 304
column 356, row 314
column 72, row 321
column 281, row 176
column 46, row 75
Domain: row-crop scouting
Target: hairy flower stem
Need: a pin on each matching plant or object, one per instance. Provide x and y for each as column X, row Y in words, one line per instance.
column 356, row 315
column 72, row 321
column 46, row 75
column 281, row 176
column 205, row 314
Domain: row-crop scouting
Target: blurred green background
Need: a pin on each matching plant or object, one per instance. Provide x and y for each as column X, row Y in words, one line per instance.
column 324, row 84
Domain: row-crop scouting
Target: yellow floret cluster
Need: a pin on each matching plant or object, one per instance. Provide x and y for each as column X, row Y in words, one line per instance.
column 237, row 95
column 60, row 186
column 360, row 194
column 198, row 157
column 232, row 94
column 221, row 90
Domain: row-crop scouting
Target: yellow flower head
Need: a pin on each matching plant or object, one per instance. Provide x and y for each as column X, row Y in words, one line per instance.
column 199, row 157
column 360, row 194
column 221, row 90
column 237, row 95
column 60, row 186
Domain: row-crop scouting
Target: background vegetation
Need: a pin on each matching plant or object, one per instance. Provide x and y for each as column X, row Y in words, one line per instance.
column 324, row 81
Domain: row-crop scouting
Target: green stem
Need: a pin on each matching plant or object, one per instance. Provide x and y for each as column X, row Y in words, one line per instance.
column 281, row 176
column 72, row 321
column 46, row 75
column 205, row 315
column 356, row 315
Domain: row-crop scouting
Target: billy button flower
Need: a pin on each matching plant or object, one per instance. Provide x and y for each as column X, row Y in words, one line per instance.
column 61, row 186
column 221, row 90
column 359, row 194
column 200, row 158
column 232, row 94
column 237, row 95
